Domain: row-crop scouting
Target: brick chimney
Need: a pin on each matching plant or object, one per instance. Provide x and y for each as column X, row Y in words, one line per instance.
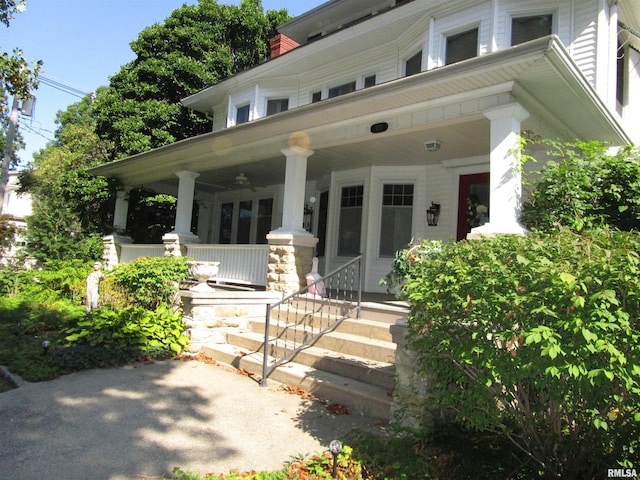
column 281, row 44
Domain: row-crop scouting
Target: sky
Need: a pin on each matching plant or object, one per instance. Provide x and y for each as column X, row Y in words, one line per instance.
column 84, row 42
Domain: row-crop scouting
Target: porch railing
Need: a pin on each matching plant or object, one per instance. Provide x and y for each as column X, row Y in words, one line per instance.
column 131, row 252
column 238, row 263
column 300, row 319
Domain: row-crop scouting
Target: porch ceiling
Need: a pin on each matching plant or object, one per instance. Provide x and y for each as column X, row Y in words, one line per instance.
column 443, row 104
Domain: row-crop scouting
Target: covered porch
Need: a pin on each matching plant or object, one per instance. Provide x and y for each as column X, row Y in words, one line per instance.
column 357, row 173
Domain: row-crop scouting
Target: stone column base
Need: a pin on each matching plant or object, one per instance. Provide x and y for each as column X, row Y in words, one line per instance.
column 290, row 259
column 111, row 249
column 175, row 244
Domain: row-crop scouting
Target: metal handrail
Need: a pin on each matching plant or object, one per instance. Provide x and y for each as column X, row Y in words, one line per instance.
column 297, row 321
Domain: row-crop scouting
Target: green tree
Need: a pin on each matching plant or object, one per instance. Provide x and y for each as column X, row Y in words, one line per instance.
column 71, row 209
column 197, row 46
column 583, row 186
column 18, row 79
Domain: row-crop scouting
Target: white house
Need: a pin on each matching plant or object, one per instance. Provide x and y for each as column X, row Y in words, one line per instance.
column 17, row 207
column 370, row 111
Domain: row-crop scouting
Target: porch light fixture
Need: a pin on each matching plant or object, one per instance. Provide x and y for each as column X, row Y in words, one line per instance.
column 433, row 214
column 432, row 145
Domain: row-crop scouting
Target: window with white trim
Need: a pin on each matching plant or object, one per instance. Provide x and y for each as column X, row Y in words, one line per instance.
column 242, row 114
column 396, row 219
column 277, row 105
column 342, row 89
column 350, row 230
column 526, row 28
column 461, row 46
column 413, row 64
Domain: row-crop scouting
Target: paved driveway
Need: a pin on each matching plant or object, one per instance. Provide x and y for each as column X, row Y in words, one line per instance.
column 141, row 421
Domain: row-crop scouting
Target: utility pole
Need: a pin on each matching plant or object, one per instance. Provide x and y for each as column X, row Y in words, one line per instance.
column 6, row 161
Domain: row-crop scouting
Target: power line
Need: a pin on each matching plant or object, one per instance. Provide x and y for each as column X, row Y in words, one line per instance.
column 62, row 87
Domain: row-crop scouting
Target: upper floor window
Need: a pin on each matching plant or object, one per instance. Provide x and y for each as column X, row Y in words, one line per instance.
column 461, row 46
column 316, row 97
column 342, row 89
column 369, row 81
column 528, row 28
column 277, row 106
column 413, row 64
column 242, row 114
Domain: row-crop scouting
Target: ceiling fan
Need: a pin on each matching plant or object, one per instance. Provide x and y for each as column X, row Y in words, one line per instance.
column 242, row 180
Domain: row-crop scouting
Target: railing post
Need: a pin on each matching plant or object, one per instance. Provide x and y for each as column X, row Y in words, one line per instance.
column 265, row 348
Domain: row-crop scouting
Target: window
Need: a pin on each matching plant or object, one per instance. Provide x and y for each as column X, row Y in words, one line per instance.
column 226, row 223
column 342, row 89
column 265, row 213
column 461, row 46
column 242, row 114
column 350, row 220
column 369, row 81
column 316, row 97
column 524, row 29
column 396, row 219
column 245, row 221
column 413, row 65
column 277, row 106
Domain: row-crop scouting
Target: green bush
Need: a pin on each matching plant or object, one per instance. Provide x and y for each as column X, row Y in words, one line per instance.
column 156, row 333
column 537, row 339
column 150, row 282
column 583, row 187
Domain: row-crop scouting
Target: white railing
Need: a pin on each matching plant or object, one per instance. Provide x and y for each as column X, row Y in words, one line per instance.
column 239, row 263
column 131, row 252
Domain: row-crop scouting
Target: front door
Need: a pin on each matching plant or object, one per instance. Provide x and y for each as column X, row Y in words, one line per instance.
column 473, row 203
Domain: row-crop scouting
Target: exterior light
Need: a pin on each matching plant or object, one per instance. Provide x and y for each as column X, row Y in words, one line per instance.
column 45, row 346
column 433, row 214
column 379, row 127
column 432, row 145
column 335, row 447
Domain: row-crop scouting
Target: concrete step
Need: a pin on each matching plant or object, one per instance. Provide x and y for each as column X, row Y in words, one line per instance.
column 364, row 327
column 354, row 367
column 356, row 395
column 343, row 343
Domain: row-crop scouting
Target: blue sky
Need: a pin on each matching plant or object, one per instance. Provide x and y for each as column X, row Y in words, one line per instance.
column 82, row 43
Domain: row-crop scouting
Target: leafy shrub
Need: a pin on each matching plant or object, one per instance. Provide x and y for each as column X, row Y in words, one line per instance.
column 584, row 187
column 55, row 281
column 537, row 339
column 156, row 333
column 150, row 282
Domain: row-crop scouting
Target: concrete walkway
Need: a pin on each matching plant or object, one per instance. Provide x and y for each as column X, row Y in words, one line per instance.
column 141, row 421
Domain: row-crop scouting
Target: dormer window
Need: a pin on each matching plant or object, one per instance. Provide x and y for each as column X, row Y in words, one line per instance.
column 242, row 114
column 413, row 64
column 528, row 28
column 277, row 106
column 461, row 46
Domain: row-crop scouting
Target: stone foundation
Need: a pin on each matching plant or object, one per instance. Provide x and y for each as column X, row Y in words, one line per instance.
column 210, row 316
column 112, row 248
column 411, row 408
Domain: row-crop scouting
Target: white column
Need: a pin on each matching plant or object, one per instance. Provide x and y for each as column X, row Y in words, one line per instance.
column 295, row 180
column 184, row 209
column 506, row 176
column 121, row 210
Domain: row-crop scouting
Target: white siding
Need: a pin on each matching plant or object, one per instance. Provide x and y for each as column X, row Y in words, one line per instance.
column 584, row 38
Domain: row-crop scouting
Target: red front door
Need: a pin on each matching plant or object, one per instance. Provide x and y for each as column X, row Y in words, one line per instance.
column 473, row 203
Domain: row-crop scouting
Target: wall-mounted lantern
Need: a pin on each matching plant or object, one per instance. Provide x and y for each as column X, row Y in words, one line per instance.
column 433, row 214
column 307, row 219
